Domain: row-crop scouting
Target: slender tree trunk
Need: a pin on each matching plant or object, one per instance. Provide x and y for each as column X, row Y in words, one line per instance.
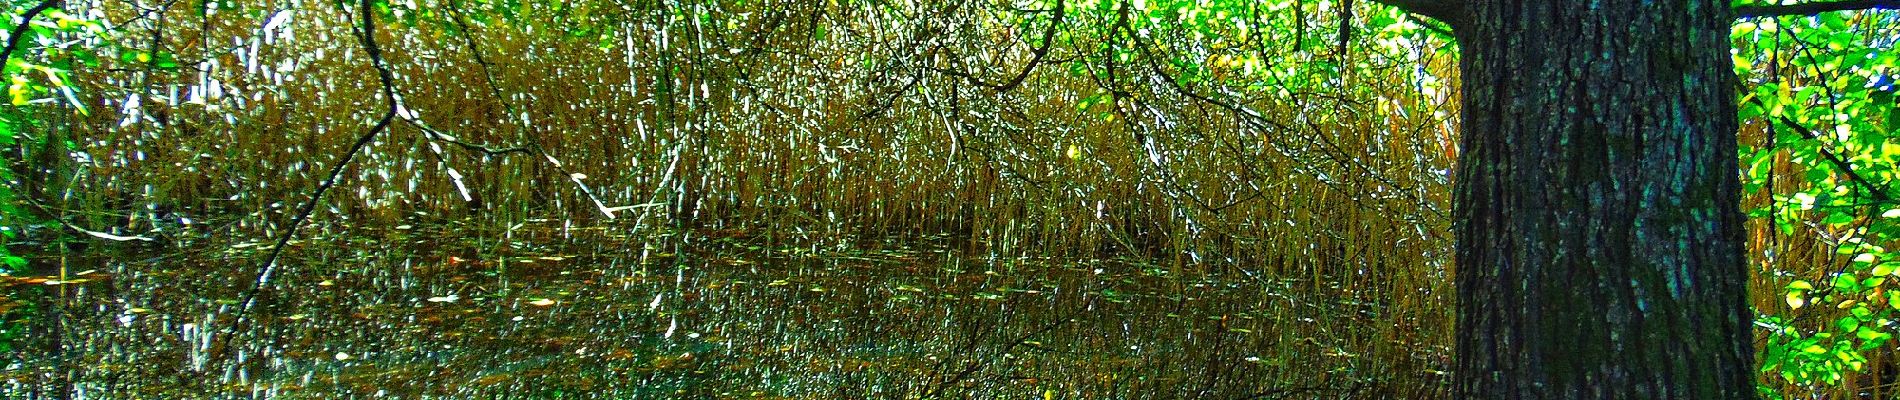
column 1599, row 235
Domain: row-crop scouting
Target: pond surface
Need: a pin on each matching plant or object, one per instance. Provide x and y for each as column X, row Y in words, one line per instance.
column 543, row 310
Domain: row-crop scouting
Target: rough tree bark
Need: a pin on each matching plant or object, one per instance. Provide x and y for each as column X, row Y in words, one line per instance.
column 1596, row 210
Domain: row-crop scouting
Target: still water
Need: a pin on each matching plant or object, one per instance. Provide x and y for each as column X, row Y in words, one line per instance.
column 549, row 311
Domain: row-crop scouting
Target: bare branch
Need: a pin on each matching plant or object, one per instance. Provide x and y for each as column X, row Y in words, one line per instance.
column 367, row 37
column 1452, row 12
column 1037, row 55
column 1048, row 39
column 1812, row 8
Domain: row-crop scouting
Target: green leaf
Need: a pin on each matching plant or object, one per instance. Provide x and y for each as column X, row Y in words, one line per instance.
column 1846, row 283
column 1847, row 324
column 1839, row 218
column 1893, row 116
column 1874, row 336
column 1833, row 21
column 166, row 61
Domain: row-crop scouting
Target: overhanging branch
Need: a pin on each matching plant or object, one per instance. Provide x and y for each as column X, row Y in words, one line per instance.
column 26, row 21
column 1812, row 8
column 1452, row 12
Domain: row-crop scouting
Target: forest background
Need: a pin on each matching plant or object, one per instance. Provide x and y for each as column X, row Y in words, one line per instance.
column 1310, row 141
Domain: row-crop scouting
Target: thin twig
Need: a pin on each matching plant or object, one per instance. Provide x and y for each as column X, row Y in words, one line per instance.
column 1879, row 193
column 435, row 135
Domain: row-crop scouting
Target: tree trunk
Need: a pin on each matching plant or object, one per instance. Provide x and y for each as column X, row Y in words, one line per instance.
column 1599, row 233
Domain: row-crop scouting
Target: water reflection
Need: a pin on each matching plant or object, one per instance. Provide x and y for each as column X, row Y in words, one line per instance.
column 422, row 313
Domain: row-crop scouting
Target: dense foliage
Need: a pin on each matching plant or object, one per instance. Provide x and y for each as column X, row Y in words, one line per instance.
column 1819, row 157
